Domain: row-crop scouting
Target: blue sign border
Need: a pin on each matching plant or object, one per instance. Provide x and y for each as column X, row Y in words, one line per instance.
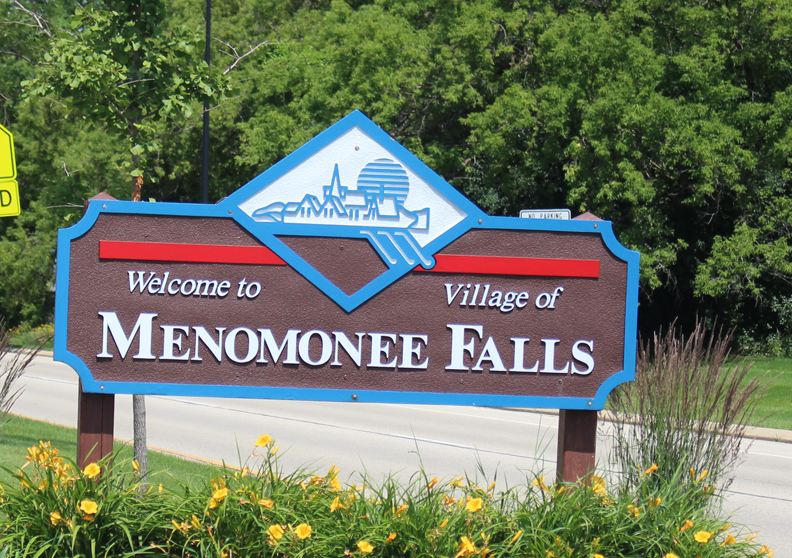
column 228, row 208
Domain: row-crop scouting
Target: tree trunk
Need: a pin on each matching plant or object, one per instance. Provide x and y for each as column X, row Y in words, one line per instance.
column 141, row 452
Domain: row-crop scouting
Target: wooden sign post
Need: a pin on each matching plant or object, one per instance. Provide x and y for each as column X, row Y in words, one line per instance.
column 349, row 271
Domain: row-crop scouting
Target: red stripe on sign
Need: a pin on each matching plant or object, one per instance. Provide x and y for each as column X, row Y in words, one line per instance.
column 192, row 253
column 495, row 265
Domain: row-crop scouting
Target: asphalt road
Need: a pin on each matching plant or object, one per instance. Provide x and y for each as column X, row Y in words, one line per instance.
column 484, row 443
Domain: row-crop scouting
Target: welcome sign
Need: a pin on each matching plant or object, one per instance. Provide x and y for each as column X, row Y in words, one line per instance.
column 349, row 271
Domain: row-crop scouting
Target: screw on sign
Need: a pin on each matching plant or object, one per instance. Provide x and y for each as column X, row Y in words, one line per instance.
column 9, row 189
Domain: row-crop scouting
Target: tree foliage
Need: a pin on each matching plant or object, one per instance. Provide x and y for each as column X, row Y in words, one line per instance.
column 672, row 119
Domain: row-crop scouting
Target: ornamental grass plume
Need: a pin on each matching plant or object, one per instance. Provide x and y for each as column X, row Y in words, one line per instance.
column 689, row 404
column 12, row 367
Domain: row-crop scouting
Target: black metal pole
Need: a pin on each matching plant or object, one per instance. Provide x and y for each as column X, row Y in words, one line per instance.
column 205, row 162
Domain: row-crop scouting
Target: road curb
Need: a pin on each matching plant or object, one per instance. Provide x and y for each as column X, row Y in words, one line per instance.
column 751, row 432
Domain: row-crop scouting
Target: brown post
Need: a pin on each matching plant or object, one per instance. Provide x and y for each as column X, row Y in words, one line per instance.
column 95, row 414
column 577, row 444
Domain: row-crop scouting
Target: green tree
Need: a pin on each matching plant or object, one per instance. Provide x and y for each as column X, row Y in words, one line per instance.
column 122, row 68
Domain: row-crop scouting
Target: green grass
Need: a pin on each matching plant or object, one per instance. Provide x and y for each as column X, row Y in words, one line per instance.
column 18, row 434
column 24, row 336
column 775, row 404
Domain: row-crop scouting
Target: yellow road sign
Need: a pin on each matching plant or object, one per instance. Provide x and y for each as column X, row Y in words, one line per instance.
column 9, row 189
column 9, row 199
column 7, row 159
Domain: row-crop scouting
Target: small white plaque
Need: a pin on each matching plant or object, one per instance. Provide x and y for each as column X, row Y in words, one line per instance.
column 562, row 214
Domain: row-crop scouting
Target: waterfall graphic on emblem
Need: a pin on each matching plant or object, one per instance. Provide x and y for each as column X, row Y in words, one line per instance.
column 375, row 206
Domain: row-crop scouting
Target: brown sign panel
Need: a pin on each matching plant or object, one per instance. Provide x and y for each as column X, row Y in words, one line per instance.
column 184, row 299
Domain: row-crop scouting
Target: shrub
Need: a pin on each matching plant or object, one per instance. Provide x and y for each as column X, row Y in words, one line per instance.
column 261, row 510
column 689, row 404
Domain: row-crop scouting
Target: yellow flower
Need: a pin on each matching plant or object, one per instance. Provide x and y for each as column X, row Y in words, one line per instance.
column 135, row 466
column 598, row 556
column 274, row 450
column 466, row 548
column 88, row 507
column 365, row 547
column 403, row 508
column 456, row 482
column 337, row 505
column 598, row 485
column 195, row 522
column 670, row 555
column 491, row 486
column 651, row 469
column 91, row 471
column 220, row 494
column 335, row 484
column 703, row 536
column 265, row 503
column 263, row 441
column 391, row 536
column 212, row 504
column 703, row 475
column 473, row 504
column 728, row 540
column 432, row 483
column 43, row 484
column 443, row 524
column 303, row 531
column 516, row 536
column 449, row 501
column 55, row 518
column 688, row 524
column 275, row 533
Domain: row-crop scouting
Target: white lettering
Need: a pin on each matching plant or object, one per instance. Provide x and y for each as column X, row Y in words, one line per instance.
column 164, row 281
column 519, row 356
column 169, row 342
column 508, row 302
column 175, row 282
column 483, row 303
column 253, row 289
column 353, row 352
column 154, row 285
column 230, row 345
column 491, row 354
column 549, row 358
column 582, row 357
column 411, row 348
column 380, row 350
column 135, row 283
column 305, row 347
column 206, row 284
column 189, row 291
column 111, row 324
column 495, row 299
column 450, row 296
column 215, row 347
column 275, row 350
column 459, row 347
